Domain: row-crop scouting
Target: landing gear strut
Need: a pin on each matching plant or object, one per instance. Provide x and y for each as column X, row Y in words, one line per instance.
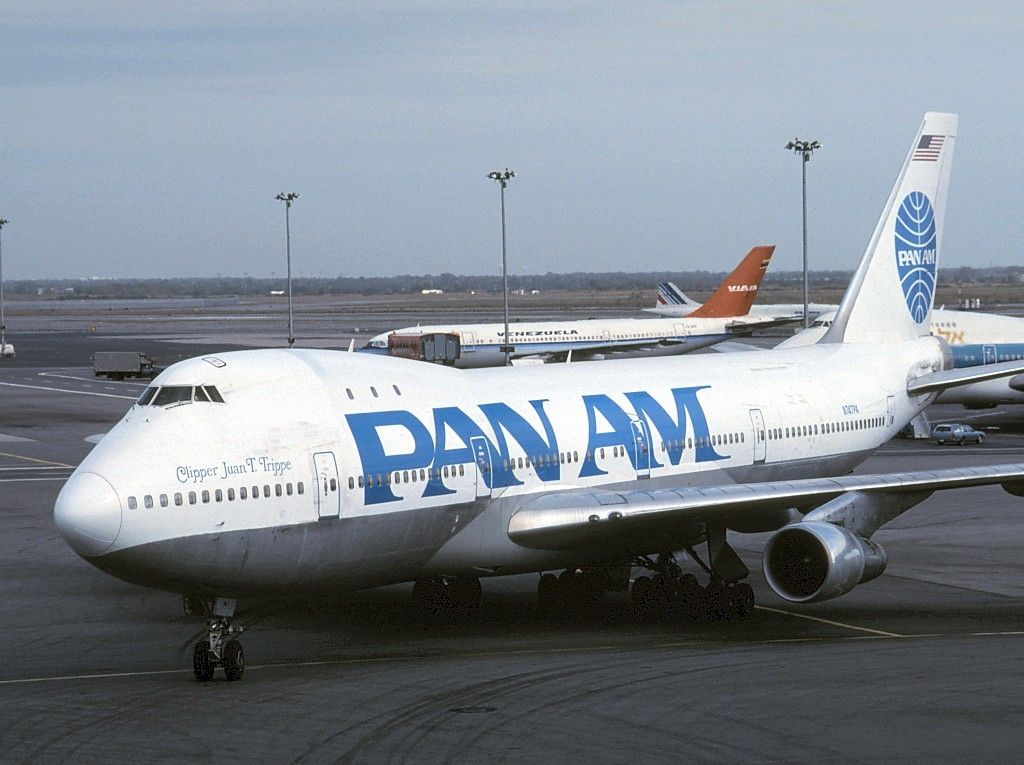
column 220, row 648
column 669, row 590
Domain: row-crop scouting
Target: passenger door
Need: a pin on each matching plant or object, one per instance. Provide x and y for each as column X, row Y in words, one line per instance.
column 641, row 449
column 989, row 354
column 328, row 494
column 760, row 440
column 484, row 467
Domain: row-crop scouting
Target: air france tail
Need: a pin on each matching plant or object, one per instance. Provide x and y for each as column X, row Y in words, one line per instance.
column 670, row 294
column 890, row 297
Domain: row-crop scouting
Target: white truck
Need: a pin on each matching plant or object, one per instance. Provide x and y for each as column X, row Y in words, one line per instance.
column 118, row 365
column 6, row 351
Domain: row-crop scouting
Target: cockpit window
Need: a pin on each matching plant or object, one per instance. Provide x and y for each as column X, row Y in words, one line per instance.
column 178, row 394
column 173, row 394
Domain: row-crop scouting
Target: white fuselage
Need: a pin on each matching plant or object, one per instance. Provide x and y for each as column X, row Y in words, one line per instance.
column 343, row 470
column 481, row 344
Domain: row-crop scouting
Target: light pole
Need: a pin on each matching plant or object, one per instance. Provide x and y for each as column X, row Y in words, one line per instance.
column 503, row 178
column 3, row 323
column 804, row 149
column 288, row 199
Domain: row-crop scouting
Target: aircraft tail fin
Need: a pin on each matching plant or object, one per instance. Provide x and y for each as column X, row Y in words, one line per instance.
column 890, row 297
column 670, row 295
column 736, row 294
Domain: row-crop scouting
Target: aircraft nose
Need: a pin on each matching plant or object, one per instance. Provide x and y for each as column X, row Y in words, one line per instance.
column 88, row 514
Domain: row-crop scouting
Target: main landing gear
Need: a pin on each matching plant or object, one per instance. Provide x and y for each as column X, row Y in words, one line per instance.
column 574, row 591
column 666, row 591
column 220, row 648
column 442, row 597
column 669, row 591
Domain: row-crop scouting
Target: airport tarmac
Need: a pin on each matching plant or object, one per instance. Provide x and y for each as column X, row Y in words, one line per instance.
column 923, row 664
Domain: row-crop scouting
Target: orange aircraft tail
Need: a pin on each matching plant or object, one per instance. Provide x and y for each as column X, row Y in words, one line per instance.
column 736, row 294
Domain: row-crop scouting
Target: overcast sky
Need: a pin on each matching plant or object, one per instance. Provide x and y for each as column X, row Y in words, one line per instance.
column 141, row 139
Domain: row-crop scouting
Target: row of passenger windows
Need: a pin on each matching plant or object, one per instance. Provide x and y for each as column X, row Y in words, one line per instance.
column 373, row 392
column 179, row 394
column 843, row 426
column 979, row 358
column 217, row 495
column 715, row 440
column 406, row 476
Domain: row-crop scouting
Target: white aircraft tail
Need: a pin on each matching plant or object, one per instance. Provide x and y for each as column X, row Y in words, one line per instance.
column 670, row 294
column 890, row 296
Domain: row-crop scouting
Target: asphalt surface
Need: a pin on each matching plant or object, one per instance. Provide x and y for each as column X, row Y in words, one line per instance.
column 920, row 665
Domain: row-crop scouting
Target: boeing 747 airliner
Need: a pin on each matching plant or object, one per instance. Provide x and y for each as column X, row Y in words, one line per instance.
column 287, row 472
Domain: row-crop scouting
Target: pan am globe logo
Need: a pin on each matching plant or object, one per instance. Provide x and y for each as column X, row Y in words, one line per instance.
column 915, row 253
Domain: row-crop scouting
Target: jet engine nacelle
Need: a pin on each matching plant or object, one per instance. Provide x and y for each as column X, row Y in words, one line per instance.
column 814, row 560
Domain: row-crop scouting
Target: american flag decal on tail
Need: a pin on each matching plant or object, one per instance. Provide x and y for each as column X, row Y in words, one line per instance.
column 928, row 148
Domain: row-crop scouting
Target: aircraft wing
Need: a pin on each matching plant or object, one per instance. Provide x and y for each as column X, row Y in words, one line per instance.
column 731, row 346
column 953, row 378
column 587, row 518
column 744, row 325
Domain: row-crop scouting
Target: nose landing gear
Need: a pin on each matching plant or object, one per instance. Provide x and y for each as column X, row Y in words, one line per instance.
column 220, row 648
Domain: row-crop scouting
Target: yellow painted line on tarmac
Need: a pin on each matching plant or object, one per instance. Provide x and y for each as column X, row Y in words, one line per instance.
column 34, row 459
column 831, row 622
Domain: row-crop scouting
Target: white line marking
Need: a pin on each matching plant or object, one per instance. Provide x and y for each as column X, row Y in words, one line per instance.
column 65, row 377
column 35, row 459
column 6, row 438
column 54, row 478
column 23, row 680
column 84, row 379
column 696, row 643
column 33, row 467
column 66, row 390
column 883, row 633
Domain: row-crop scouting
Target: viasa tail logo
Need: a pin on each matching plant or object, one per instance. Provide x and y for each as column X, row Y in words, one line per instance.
column 916, row 253
column 742, row 288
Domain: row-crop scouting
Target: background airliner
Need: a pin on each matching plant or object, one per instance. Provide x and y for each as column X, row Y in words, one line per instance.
column 723, row 317
column 672, row 301
column 290, row 472
column 973, row 339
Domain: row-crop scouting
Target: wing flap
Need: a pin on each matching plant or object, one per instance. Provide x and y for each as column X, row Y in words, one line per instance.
column 582, row 518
